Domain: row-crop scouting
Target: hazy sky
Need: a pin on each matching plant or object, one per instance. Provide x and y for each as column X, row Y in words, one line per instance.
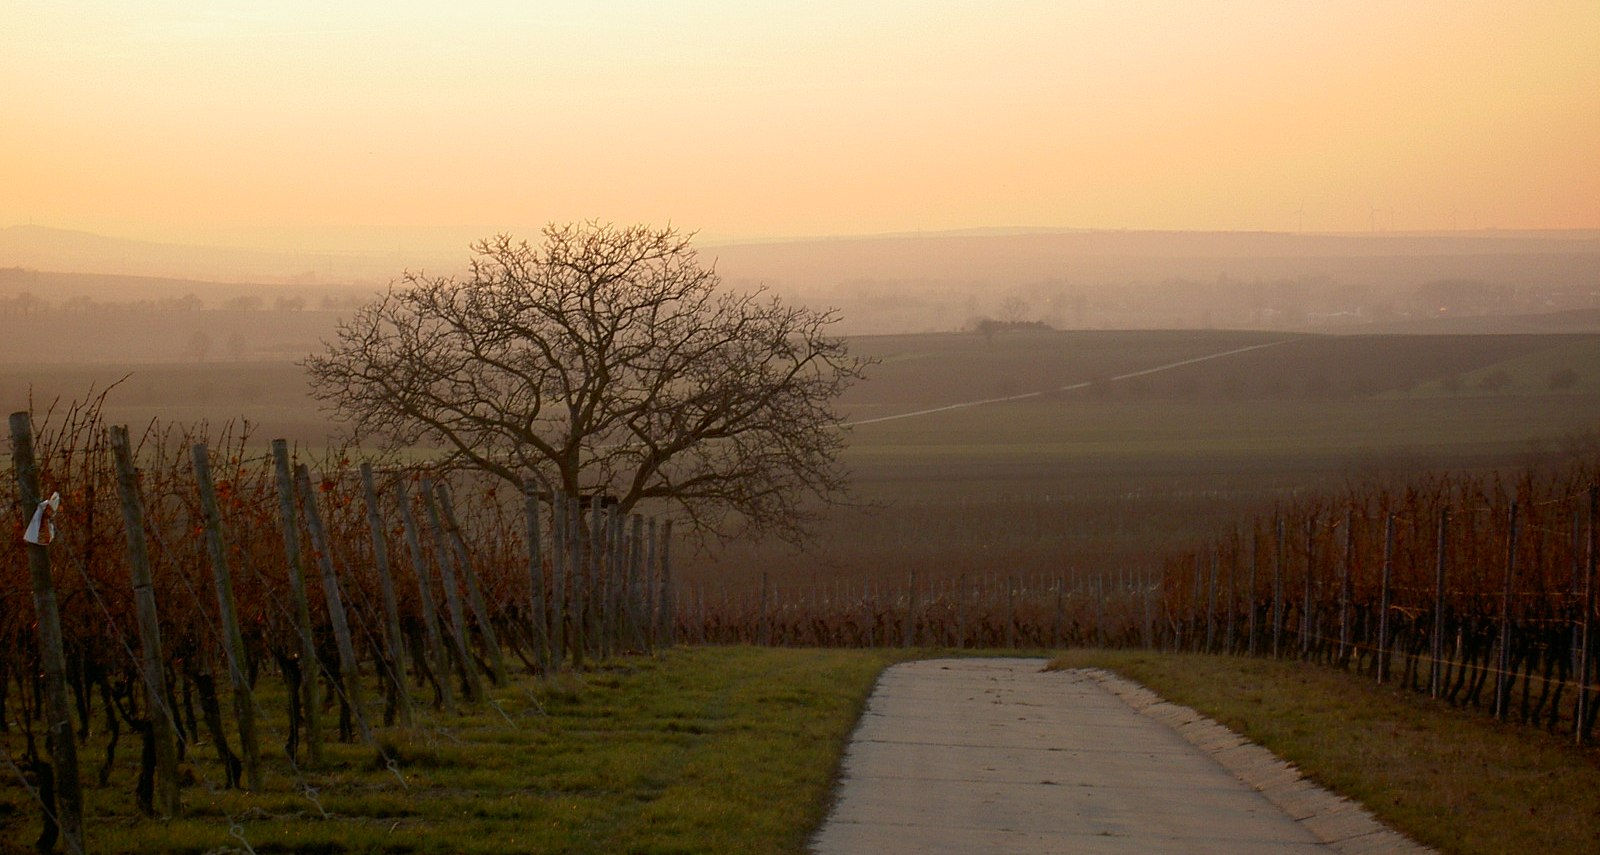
column 357, row 124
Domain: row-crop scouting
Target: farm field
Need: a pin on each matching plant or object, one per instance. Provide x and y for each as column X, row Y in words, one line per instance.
column 1096, row 479
column 1104, row 479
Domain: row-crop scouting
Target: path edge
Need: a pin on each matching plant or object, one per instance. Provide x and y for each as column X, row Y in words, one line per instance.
column 1342, row 824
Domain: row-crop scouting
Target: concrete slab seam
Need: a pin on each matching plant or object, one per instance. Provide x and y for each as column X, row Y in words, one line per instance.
column 1333, row 819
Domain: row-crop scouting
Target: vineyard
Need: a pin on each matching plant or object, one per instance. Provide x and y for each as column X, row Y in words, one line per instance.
column 179, row 573
column 1476, row 589
column 1479, row 590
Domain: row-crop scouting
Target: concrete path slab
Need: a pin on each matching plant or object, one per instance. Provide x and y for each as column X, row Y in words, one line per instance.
column 996, row 755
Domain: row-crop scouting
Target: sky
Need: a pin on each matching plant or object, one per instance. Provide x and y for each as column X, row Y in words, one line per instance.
column 355, row 125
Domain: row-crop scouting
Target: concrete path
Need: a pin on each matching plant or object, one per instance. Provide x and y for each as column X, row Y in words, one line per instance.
column 995, row 755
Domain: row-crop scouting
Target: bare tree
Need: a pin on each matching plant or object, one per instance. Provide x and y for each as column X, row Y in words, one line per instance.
column 607, row 360
column 1014, row 309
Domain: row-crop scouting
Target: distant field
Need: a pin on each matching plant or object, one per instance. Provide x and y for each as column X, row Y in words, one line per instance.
column 1097, row 479
column 1109, row 477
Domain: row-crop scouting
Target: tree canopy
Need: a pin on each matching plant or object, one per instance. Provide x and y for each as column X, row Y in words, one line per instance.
column 606, row 360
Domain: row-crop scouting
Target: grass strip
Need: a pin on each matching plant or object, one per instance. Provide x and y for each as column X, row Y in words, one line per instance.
column 1452, row 779
column 731, row 749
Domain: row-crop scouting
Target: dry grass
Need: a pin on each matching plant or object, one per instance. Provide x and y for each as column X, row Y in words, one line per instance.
column 1451, row 779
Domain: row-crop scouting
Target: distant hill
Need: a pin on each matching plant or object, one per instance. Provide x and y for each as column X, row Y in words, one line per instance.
column 43, row 248
column 57, row 287
column 1068, row 279
column 1085, row 256
column 987, row 254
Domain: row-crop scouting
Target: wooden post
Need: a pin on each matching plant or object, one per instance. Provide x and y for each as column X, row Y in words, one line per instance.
column 62, row 741
column 1277, row 590
column 1383, row 599
column 668, row 600
column 1058, row 625
column 1346, row 583
column 391, row 604
column 538, row 615
column 558, row 579
column 1250, row 597
column 616, row 567
column 452, row 594
column 912, row 606
column 1306, row 639
column 638, row 586
column 1502, row 677
column 162, row 726
column 311, row 669
column 1575, row 535
column 1586, row 635
column 1211, row 605
column 1193, row 616
column 598, row 567
column 763, row 628
column 1011, row 612
column 349, row 668
column 1233, row 594
column 652, row 625
column 961, row 612
column 430, row 615
column 244, row 702
column 1146, row 592
column 480, row 609
column 1099, row 584
column 579, row 578
column 616, row 563
column 1435, row 667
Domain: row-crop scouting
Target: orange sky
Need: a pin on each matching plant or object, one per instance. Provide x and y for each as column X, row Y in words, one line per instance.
column 306, row 125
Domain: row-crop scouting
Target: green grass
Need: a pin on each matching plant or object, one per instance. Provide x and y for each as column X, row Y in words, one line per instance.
column 1451, row 779
column 698, row 750
column 735, row 750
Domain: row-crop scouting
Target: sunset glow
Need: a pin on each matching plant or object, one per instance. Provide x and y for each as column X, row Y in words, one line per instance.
column 301, row 124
